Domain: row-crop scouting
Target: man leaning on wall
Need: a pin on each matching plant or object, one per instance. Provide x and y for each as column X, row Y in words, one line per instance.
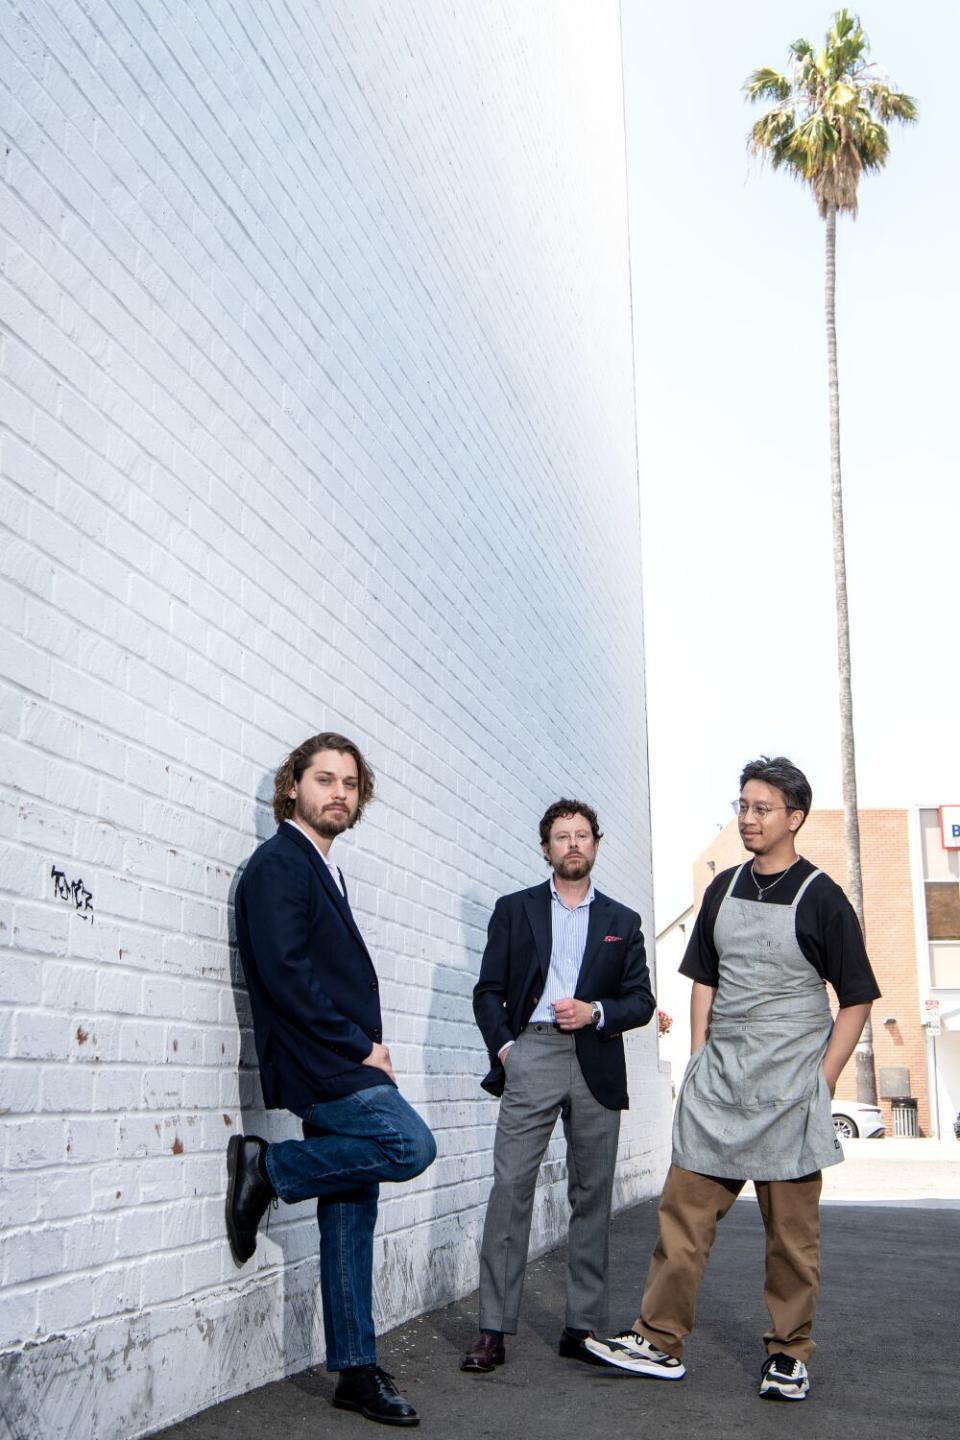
column 316, row 1013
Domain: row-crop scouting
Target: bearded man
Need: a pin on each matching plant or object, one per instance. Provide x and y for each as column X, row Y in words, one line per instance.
column 563, row 975
column 315, row 1000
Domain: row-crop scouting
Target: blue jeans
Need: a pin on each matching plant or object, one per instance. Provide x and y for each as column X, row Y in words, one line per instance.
column 349, row 1145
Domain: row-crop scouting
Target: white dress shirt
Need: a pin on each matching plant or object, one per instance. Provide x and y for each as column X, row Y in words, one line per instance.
column 334, row 871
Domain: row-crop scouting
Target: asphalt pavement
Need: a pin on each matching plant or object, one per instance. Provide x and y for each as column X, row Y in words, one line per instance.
column 887, row 1330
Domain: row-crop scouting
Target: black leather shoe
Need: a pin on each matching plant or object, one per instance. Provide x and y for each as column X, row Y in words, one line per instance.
column 486, row 1355
column 249, row 1192
column 571, row 1347
column 371, row 1391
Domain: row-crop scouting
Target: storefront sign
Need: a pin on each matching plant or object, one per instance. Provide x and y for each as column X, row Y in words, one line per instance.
column 950, row 826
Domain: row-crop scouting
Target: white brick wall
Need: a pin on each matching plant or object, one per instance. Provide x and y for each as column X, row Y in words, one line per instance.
column 316, row 412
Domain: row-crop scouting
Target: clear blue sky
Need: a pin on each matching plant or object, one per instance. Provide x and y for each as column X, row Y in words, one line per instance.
column 732, row 414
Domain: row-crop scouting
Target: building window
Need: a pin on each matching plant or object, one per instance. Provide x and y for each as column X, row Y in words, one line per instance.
column 943, row 910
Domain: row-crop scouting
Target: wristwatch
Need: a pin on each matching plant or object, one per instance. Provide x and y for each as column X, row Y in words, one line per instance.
column 596, row 1014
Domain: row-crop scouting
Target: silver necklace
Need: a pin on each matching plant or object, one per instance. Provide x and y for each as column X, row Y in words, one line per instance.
column 763, row 890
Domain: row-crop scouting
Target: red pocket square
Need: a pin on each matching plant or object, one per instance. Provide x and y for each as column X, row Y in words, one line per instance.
column 612, row 937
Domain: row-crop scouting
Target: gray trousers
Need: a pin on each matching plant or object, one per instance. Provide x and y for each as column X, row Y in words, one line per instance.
column 544, row 1080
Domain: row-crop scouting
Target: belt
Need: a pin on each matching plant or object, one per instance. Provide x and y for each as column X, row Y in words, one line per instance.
column 546, row 1027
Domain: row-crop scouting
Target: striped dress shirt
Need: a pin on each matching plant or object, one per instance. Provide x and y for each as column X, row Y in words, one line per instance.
column 569, row 929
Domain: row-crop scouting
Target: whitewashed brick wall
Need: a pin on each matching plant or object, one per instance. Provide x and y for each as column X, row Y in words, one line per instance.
column 316, row 412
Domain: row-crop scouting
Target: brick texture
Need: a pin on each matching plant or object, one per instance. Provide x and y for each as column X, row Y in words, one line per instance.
column 317, row 403
column 891, row 940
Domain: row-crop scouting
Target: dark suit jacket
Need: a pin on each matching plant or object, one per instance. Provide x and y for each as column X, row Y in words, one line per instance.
column 614, row 971
column 313, row 989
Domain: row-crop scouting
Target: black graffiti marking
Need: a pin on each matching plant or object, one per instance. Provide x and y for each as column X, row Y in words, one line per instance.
column 72, row 892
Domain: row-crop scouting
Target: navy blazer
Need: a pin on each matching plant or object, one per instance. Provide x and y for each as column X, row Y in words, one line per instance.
column 614, row 971
column 313, row 989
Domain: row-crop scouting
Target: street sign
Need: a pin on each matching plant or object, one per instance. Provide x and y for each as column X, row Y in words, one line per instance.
column 931, row 1016
column 950, row 826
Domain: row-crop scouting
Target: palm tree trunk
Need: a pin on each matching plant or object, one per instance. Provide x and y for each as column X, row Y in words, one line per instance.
column 866, row 1075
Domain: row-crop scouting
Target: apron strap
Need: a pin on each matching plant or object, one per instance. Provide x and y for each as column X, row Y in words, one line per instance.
column 803, row 888
column 736, row 876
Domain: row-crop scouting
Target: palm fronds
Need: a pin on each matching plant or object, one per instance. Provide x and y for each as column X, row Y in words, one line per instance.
column 827, row 123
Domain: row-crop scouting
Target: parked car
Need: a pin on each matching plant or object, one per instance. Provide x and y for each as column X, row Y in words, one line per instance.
column 853, row 1121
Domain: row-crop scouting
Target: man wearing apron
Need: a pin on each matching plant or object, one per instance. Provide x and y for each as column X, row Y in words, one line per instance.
column 755, row 1099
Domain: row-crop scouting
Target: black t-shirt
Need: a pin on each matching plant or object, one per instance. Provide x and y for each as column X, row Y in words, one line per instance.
column 828, row 931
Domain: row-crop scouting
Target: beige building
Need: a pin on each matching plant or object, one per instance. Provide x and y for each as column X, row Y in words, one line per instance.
column 911, row 882
column 935, row 868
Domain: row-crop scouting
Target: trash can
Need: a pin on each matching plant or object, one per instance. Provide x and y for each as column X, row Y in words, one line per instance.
column 904, row 1109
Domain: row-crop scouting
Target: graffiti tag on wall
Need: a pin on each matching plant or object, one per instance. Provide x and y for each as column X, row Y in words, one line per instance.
column 72, row 892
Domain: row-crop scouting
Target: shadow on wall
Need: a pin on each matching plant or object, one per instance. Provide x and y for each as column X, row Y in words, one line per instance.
column 431, row 1257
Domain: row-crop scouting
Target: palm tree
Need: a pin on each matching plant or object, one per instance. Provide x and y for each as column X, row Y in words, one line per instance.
column 826, row 126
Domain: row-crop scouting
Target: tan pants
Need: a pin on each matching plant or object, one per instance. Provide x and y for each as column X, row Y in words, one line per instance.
column 691, row 1207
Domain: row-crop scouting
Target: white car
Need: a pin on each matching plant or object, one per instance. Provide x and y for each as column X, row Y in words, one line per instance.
column 853, row 1121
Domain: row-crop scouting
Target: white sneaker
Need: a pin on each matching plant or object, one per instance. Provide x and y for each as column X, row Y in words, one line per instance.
column 783, row 1378
column 630, row 1351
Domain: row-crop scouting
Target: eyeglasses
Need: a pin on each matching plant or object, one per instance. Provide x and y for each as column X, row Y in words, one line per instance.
column 740, row 807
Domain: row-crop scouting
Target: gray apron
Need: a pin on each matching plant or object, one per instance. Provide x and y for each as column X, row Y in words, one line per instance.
column 754, row 1103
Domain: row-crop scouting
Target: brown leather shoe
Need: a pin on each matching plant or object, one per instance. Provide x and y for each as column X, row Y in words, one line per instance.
column 486, row 1355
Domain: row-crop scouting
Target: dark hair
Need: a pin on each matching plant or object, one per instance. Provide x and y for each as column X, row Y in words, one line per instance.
column 784, row 776
column 297, row 761
column 568, row 807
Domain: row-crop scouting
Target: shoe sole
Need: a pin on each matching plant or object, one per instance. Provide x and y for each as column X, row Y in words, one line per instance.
column 481, row 1369
column 643, row 1368
column 407, row 1420
column 773, row 1392
column 233, row 1152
